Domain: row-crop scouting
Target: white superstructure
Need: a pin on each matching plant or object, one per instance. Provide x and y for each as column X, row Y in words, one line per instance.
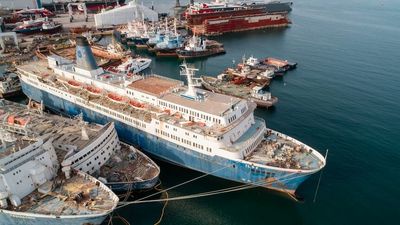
column 25, row 165
column 210, row 123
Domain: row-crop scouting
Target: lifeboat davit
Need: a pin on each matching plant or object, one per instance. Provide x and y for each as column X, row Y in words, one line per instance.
column 136, row 104
column 74, row 83
column 116, row 98
column 93, row 90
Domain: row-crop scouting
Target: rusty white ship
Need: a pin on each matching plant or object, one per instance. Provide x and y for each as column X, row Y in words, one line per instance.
column 197, row 129
column 89, row 148
column 34, row 191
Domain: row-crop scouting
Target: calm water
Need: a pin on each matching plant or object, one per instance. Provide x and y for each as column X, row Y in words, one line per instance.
column 344, row 96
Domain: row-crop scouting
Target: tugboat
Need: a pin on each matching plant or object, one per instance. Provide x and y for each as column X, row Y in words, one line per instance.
column 33, row 190
column 198, row 47
column 158, row 37
column 168, row 43
column 9, row 85
column 169, row 46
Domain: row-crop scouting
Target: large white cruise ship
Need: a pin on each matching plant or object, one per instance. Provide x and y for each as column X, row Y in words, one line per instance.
column 197, row 129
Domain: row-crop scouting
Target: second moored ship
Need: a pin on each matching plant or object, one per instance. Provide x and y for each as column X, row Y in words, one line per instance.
column 197, row 129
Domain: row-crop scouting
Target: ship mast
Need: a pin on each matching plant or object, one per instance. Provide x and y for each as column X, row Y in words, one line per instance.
column 189, row 73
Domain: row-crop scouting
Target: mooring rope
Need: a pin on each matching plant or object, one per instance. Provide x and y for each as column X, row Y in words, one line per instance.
column 215, row 192
column 165, row 204
column 183, row 183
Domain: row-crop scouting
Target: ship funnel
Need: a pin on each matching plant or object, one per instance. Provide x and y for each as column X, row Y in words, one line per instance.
column 84, row 56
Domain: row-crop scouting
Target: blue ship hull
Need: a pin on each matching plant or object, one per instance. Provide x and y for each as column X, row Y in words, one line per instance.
column 132, row 186
column 28, row 30
column 238, row 171
column 24, row 219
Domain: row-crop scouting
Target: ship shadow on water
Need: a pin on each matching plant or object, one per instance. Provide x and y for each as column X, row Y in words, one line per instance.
column 172, row 175
column 266, row 200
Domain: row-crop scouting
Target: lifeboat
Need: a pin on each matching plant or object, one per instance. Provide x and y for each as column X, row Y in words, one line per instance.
column 136, row 104
column 74, row 83
column 93, row 90
column 201, row 124
column 12, row 120
column 114, row 97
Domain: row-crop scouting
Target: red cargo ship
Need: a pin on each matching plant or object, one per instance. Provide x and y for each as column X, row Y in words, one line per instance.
column 220, row 17
column 241, row 23
column 198, row 19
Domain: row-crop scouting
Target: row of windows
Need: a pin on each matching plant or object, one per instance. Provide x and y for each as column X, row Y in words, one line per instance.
column 190, row 112
column 97, row 146
column 176, row 138
column 98, row 157
column 248, row 149
column 15, row 159
column 230, row 120
column 130, row 92
column 174, row 129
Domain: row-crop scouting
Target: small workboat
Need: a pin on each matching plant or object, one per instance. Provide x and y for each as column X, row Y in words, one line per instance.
column 198, row 47
column 133, row 65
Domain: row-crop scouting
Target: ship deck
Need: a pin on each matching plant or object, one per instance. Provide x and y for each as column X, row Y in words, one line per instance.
column 238, row 90
column 155, row 85
column 125, row 166
column 217, row 104
column 279, row 150
column 212, row 103
column 39, row 67
column 19, row 144
column 74, row 196
column 65, row 131
column 129, row 165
